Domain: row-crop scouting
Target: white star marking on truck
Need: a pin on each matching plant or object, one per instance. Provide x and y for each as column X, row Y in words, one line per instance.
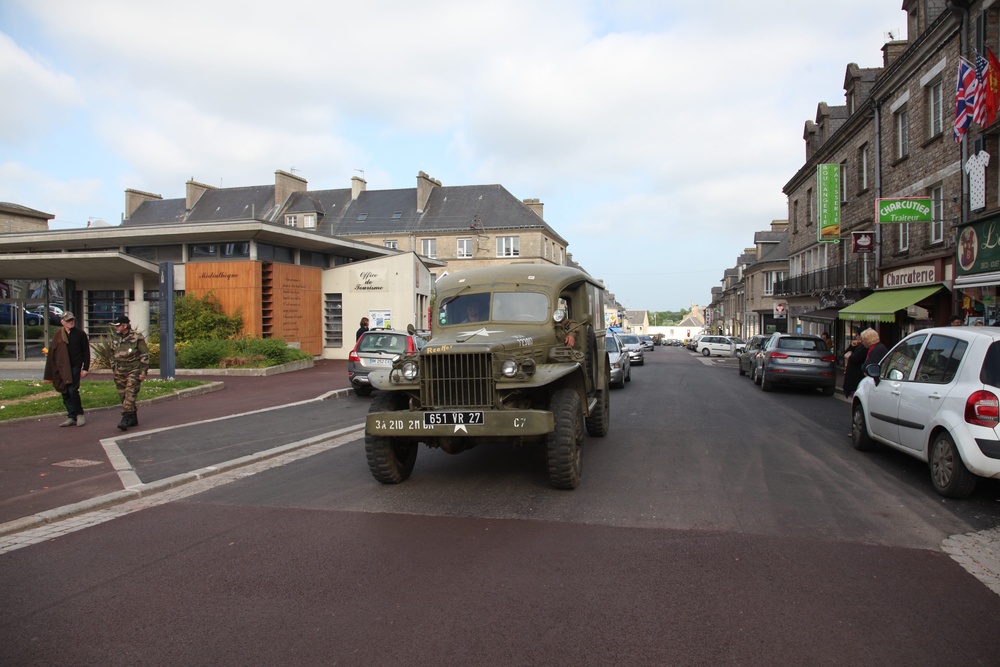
column 479, row 332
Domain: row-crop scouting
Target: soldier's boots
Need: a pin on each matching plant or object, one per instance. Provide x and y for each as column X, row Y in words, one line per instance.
column 128, row 419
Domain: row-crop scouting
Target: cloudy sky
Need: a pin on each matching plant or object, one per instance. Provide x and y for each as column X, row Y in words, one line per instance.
column 657, row 133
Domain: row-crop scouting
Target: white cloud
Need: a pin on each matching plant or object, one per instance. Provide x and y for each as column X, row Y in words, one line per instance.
column 36, row 94
column 676, row 121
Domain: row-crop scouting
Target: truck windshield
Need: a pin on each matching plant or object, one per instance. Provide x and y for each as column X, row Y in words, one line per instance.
column 499, row 307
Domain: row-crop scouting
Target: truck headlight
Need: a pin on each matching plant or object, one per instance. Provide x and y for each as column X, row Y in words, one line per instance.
column 509, row 368
column 409, row 370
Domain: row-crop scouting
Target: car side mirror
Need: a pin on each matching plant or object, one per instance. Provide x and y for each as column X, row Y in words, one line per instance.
column 872, row 371
column 410, row 329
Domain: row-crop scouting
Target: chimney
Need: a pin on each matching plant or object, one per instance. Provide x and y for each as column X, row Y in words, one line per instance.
column 194, row 192
column 135, row 198
column 779, row 225
column 536, row 206
column 425, row 184
column 358, row 185
column 286, row 184
column 892, row 50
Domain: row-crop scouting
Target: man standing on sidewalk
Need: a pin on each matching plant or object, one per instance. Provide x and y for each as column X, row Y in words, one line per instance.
column 67, row 363
column 129, row 365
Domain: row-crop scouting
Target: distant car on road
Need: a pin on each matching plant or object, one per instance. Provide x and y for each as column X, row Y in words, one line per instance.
column 935, row 396
column 647, row 342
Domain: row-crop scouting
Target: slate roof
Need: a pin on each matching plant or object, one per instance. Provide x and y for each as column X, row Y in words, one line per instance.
column 377, row 212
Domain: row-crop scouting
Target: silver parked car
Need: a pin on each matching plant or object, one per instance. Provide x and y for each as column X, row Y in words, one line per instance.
column 634, row 347
column 376, row 350
column 936, row 396
column 621, row 367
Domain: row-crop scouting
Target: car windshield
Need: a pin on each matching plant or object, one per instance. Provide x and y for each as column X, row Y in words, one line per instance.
column 629, row 339
column 611, row 344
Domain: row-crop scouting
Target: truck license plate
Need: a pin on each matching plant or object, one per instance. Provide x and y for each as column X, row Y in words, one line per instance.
column 447, row 418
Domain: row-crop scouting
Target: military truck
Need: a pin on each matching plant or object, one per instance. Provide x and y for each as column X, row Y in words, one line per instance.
column 516, row 355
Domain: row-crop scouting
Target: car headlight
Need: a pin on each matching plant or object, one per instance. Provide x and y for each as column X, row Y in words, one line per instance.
column 509, row 368
column 409, row 370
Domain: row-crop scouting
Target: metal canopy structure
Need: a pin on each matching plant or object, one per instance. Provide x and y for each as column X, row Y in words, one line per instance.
column 78, row 266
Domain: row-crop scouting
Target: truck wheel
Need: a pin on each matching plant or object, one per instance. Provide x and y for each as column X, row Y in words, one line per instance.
column 390, row 460
column 565, row 444
column 599, row 420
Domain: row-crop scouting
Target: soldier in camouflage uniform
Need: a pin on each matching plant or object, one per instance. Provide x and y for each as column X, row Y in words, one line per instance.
column 130, row 365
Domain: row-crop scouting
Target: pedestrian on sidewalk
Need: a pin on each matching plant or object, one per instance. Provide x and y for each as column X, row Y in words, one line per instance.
column 854, row 365
column 130, row 363
column 67, row 363
column 361, row 329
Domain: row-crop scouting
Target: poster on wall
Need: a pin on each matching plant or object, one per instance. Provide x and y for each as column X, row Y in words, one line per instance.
column 379, row 319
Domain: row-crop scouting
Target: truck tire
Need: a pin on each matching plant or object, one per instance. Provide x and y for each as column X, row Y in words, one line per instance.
column 599, row 420
column 564, row 446
column 390, row 460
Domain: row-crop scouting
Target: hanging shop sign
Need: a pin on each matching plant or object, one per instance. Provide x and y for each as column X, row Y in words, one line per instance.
column 862, row 242
column 979, row 248
column 903, row 209
column 828, row 189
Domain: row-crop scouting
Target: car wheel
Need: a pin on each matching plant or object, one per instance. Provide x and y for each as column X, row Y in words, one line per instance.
column 765, row 384
column 598, row 423
column 363, row 390
column 564, row 446
column 859, row 429
column 742, row 372
column 948, row 472
column 628, row 375
column 753, row 374
column 390, row 460
column 706, row 352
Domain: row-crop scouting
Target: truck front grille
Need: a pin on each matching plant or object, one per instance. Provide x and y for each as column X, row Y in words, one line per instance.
column 457, row 380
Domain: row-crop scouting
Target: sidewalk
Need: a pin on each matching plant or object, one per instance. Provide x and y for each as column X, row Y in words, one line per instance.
column 44, row 467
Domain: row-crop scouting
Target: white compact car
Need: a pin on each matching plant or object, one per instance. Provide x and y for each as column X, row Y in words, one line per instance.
column 719, row 345
column 935, row 397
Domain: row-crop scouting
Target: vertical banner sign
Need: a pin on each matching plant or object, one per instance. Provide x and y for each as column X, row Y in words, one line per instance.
column 828, row 202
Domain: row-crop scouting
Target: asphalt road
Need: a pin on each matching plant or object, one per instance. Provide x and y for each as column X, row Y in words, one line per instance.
column 716, row 524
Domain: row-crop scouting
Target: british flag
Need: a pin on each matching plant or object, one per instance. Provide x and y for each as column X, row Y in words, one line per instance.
column 965, row 98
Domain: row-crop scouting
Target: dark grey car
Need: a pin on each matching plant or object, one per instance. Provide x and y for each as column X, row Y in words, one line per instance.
column 748, row 356
column 799, row 360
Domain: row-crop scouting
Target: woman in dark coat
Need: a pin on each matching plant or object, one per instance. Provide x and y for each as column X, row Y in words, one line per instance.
column 854, row 365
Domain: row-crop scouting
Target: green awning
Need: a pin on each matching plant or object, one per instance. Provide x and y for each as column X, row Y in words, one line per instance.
column 882, row 305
